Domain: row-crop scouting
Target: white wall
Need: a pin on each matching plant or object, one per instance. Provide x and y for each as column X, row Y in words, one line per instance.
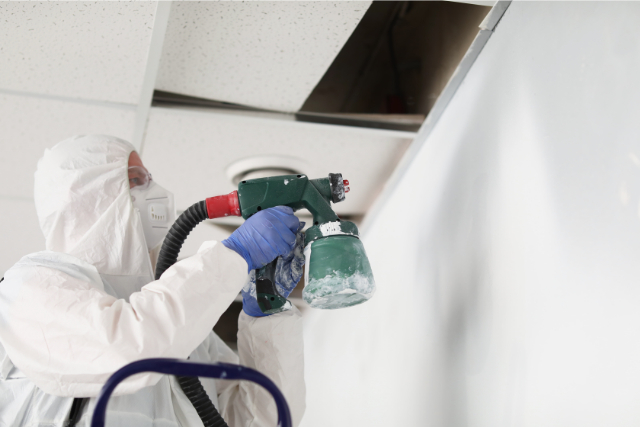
column 508, row 259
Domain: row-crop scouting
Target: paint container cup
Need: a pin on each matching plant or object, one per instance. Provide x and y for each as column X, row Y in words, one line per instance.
column 338, row 273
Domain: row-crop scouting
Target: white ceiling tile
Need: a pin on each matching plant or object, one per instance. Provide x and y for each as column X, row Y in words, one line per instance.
column 188, row 151
column 90, row 50
column 263, row 54
column 19, row 232
column 29, row 125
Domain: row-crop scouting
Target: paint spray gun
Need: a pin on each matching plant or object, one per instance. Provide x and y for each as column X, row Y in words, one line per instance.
column 337, row 274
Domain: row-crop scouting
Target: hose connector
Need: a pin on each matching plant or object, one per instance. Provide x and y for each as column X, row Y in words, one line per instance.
column 221, row 206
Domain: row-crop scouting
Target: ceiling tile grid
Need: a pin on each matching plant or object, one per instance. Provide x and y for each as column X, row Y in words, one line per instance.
column 28, row 125
column 263, row 54
column 88, row 50
column 189, row 151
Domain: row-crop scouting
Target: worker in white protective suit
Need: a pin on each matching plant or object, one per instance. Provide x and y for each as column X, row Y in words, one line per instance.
column 72, row 315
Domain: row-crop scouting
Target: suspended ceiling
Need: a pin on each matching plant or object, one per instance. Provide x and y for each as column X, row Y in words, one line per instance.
column 77, row 68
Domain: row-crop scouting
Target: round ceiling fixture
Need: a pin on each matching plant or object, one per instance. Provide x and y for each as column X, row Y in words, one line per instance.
column 264, row 166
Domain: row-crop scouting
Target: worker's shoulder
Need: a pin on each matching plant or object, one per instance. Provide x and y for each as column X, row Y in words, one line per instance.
column 51, row 259
column 53, row 263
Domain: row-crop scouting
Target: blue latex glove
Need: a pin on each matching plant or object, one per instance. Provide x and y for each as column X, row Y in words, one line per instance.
column 265, row 236
column 288, row 274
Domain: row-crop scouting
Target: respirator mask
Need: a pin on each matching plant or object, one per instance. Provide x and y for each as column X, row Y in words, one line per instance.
column 155, row 204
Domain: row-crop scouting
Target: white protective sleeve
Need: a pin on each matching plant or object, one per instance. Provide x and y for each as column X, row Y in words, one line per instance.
column 68, row 336
column 272, row 345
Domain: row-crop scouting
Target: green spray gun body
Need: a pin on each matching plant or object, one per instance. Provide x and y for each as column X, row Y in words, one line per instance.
column 337, row 271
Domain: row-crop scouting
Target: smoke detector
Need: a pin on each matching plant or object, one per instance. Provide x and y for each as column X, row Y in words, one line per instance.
column 263, row 166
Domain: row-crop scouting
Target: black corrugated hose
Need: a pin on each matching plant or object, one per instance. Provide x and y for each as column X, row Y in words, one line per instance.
column 178, row 233
column 191, row 386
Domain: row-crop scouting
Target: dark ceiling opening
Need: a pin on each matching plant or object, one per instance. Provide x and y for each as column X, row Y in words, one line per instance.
column 398, row 59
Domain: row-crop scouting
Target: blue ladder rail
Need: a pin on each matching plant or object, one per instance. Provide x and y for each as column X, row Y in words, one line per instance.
column 226, row 371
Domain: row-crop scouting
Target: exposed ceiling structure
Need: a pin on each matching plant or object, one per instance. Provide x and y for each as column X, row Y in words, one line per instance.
column 76, row 68
column 398, row 59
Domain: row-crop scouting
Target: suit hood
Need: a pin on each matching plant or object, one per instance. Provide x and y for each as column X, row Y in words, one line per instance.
column 84, row 206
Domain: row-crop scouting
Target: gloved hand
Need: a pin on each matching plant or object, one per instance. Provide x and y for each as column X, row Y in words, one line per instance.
column 265, row 236
column 288, row 274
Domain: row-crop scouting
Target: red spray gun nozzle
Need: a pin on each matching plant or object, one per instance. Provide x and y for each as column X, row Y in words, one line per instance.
column 221, row 206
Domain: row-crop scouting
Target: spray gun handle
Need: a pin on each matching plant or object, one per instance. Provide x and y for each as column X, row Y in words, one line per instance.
column 269, row 299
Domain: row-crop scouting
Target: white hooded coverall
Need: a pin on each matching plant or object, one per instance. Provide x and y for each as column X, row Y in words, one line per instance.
column 72, row 315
